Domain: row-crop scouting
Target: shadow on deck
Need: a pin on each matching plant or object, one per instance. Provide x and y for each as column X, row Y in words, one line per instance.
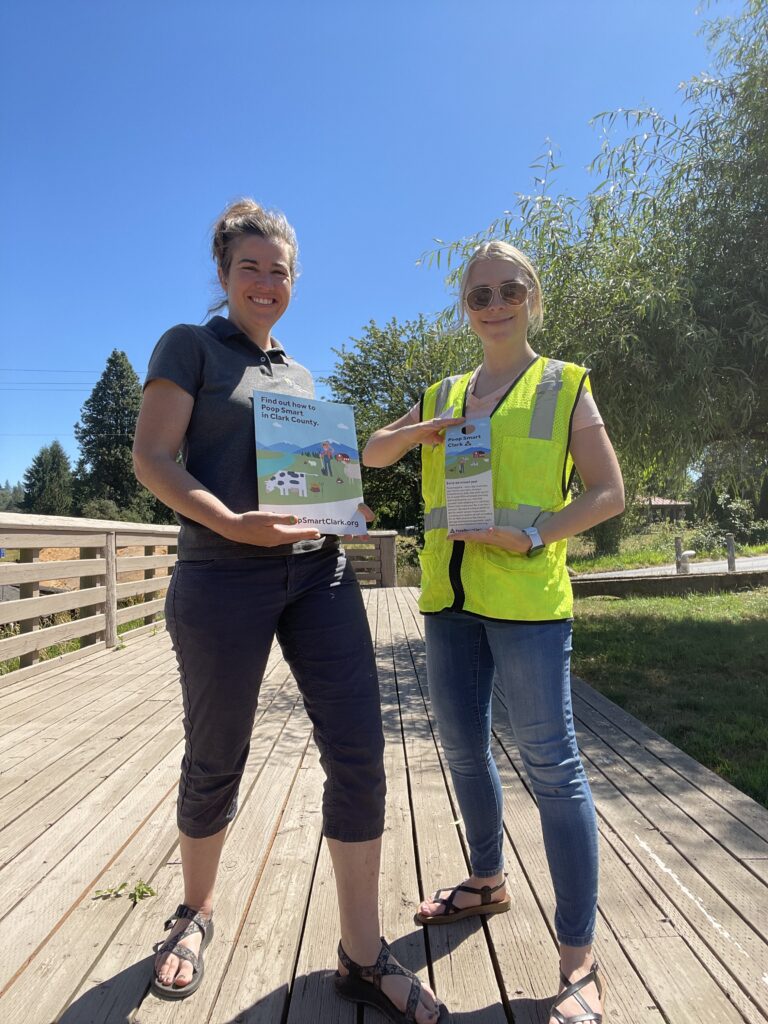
column 90, row 754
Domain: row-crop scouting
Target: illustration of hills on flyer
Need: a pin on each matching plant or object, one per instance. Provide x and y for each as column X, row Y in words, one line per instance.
column 307, row 461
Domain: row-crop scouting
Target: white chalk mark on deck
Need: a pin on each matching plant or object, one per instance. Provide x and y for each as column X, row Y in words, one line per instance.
column 696, row 899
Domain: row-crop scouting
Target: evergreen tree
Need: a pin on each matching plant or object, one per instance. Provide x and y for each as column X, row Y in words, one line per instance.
column 48, row 483
column 11, row 497
column 105, row 435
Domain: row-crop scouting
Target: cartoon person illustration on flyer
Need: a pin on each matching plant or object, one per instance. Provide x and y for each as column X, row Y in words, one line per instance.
column 327, row 453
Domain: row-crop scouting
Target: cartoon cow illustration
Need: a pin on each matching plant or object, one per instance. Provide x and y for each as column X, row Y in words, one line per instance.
column 287, row 481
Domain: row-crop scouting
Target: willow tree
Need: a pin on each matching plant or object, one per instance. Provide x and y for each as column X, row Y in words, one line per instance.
column 658, row 278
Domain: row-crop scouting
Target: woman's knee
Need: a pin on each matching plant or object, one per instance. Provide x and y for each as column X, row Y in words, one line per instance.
column 355, row 789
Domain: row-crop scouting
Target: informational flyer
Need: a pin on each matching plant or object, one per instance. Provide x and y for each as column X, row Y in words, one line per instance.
column 468, row 480
column 307, row 461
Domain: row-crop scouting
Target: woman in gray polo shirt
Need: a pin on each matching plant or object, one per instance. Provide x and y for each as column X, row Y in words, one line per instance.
column 244, row 576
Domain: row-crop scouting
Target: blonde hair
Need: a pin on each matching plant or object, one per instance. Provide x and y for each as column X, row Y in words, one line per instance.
column 246, row 217
column 498, row 250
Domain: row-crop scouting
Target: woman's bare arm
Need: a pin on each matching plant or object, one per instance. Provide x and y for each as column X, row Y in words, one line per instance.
column 390, row 444
column 163, row 420
column 602, row 498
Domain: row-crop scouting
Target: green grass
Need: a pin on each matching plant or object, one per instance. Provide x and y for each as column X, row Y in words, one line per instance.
column 691, row 668
column 653, row 546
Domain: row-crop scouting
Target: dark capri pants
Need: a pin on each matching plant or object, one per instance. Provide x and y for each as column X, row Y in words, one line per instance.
column 222, row 616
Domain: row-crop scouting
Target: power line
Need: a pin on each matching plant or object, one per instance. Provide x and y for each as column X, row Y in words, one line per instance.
column 44, row 369
column 63, row 433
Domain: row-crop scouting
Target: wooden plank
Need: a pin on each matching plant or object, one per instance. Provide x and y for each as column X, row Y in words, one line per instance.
column 259, row 976
column 24, row 521
column 313, row 998
column 127, row 539
column 29, row 591
column 624, row 906
column 521, row 942
column 741, row 968
column 400, row 858
column 138, row 611
column 276, row 751
column 110, row 602
column 33, row 607
column 51, row 673
column 705, row 917
column 89, row 927
column 130, row 563
column 49, row 734
column 58, row 870
column 42, row 638
column 42, row 693
column 747, row 893
column 157, row 584
column 45, row 985
column 148, row 629
column 47, row 665
column 738, row 804
column 78, row 774
column 20, row 539
column 461, row 963
column 14, row 572
column 740, row 840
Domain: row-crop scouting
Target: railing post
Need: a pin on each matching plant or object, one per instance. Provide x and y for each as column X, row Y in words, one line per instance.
column 85, row 583
column 150, row 574
column 110, row 603
column 29, row 590
column 388, row 553
column 678, row 553
column 730, row 545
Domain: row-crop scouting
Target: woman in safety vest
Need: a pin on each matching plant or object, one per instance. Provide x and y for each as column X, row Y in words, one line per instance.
column 500, row 600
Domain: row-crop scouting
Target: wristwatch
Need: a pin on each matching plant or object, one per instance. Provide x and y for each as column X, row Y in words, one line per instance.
column 537, row 544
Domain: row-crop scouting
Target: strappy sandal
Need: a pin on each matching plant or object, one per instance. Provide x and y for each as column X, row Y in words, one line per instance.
column 363, row 985
column 173, row 945
column 452, row 913
column 573, row 991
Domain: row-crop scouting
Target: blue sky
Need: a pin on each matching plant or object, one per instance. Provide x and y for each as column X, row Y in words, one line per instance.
column 126, row 127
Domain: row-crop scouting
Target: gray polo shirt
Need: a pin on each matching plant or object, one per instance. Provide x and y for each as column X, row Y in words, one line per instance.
column 221, row 367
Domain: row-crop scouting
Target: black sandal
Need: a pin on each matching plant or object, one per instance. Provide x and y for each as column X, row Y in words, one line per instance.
column 451, row 913
column 573, row 991
column 363, row 985
column 172, row 945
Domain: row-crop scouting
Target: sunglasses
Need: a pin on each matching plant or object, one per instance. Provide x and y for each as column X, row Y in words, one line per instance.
column 513, row 293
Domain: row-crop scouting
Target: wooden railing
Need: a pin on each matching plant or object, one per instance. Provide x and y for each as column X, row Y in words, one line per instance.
column 102, row 598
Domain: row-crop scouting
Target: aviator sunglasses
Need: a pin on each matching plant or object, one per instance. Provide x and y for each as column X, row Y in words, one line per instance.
column 513, row 293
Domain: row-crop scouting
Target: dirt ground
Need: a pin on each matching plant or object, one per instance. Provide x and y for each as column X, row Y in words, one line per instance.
column 67, row 554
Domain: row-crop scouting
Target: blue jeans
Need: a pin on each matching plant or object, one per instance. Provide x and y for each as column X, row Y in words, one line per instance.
column 533, row 665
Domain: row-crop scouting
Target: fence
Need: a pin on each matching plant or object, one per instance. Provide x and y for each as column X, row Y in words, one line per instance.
column 108, row 577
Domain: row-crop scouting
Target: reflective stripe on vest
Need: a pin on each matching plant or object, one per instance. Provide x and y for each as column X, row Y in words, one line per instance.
column 547, row 392
column 442, row 393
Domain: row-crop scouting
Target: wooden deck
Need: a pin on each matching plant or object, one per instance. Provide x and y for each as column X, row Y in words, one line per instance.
column 90, row 754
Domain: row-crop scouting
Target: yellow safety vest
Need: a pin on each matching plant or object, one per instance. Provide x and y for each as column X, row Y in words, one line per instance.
column 532, row 470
